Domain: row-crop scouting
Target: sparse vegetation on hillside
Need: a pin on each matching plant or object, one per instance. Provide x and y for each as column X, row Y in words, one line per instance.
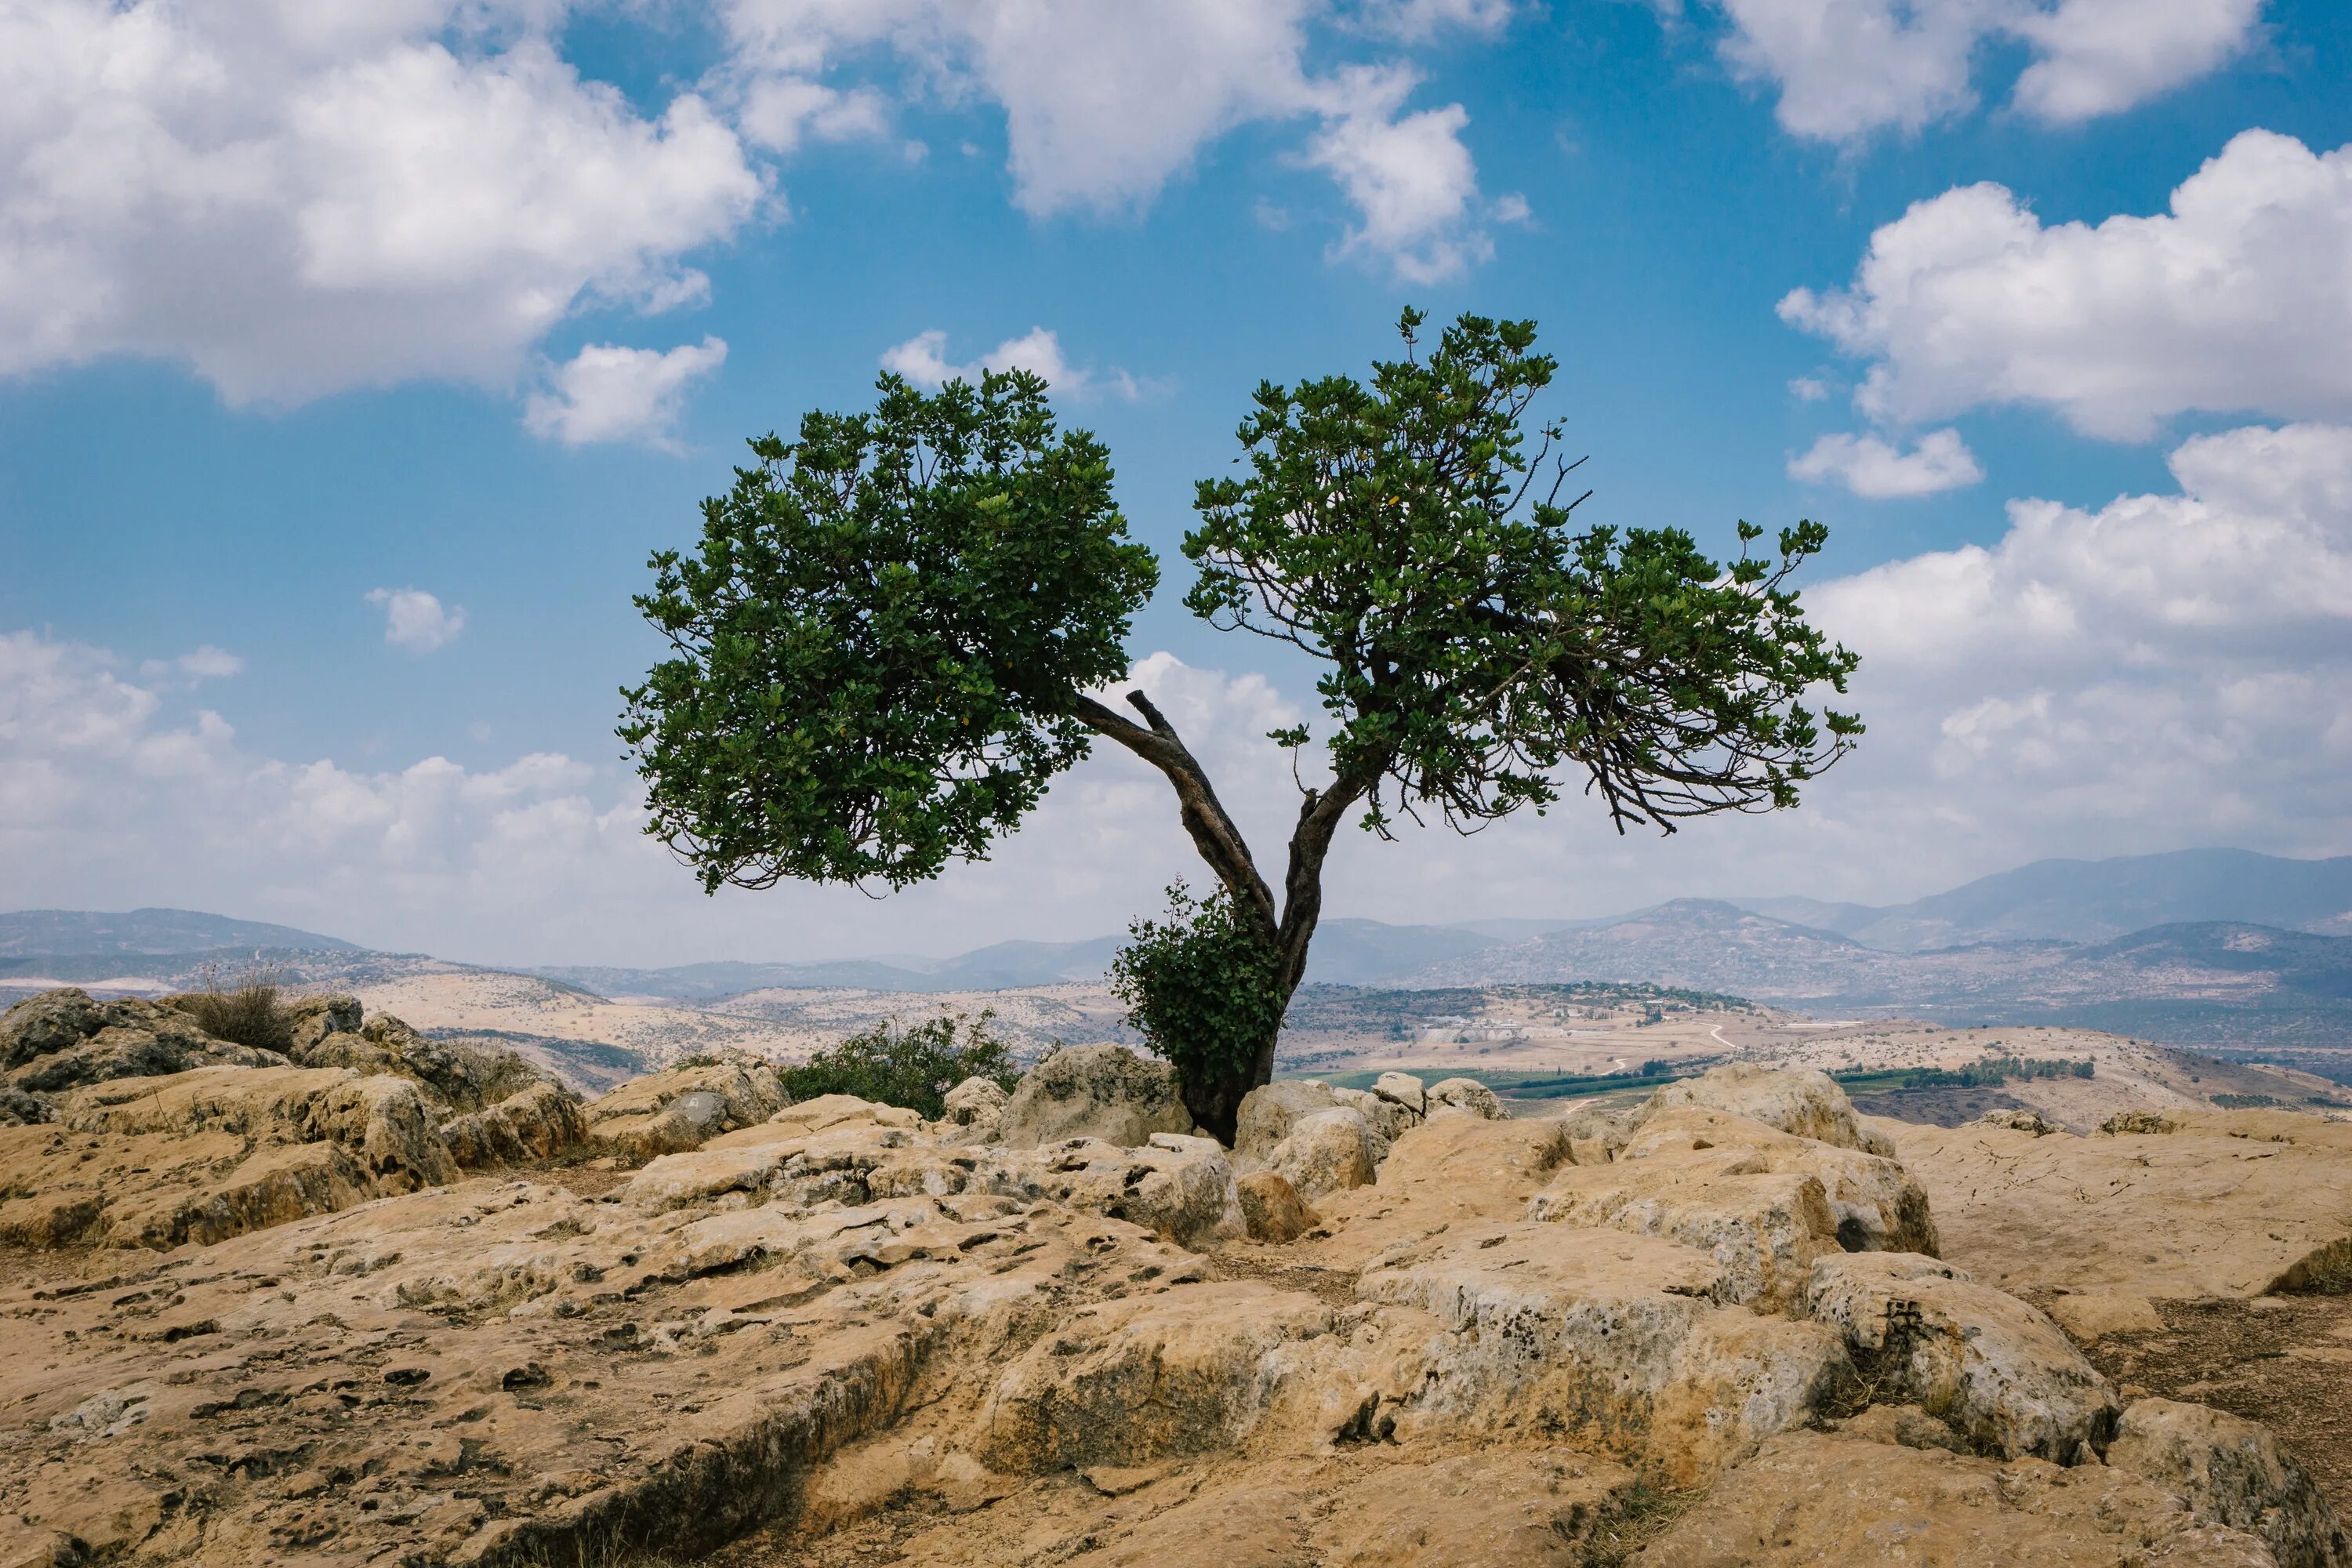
column 251, row 1012
column 914, row 1066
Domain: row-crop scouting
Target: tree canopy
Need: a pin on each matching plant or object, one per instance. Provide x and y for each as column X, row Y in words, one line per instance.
column 894, row 632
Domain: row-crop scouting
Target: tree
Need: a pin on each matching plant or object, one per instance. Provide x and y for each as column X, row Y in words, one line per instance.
column 890, row 640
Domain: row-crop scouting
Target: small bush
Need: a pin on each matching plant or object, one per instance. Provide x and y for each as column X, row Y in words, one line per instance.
column 1199, row 986
column 914, row 1066
column 252, row 1012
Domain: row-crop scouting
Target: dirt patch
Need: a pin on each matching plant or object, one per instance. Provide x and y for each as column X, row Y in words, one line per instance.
column 2284, row 1361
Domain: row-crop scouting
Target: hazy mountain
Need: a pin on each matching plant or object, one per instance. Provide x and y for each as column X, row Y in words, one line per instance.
column 88, row 934
column 2091, row 900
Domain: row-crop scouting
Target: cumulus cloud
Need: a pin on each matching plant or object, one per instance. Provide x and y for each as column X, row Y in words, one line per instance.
column 295, row 200
column 923, row 360
column 2239, row 298
column 1104, row 105
column 1845, row 68
column 416, row 620
column 607, row 392
column 1870, row 468
column 1409, row 176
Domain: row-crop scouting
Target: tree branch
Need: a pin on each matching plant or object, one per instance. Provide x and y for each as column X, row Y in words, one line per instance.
column 1213, row 833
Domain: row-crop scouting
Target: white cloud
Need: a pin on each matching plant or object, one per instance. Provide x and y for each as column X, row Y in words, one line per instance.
column 415, row 620
column 1105, row 104
column 607, row 392
column 1408, row 174
column 1847, row 68
column 204, row 663
column 295, row 200
column 923, row 360
column 778, row 113
column 1808, row 388
column 1870, row 467
column 2238, row 299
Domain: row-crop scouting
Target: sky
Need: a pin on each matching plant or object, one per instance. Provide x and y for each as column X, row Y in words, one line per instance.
column 354, row 358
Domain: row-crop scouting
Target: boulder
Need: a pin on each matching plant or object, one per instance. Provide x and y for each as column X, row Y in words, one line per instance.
column 1268, row 1112
column 1403, row 1088
column 1093, row 1091
column 1798, row 1100
column 1178, row 1186
column 539, row 1124
column 828, row 1110
column 1603, row 1339
column 1467, row 1094
column 2020, row 1121
column 1329, row 1151
column 2232, row 1471
column 682, row 1107
column 977, row 1104
column 312, row 1018
column 2091, row 1315
column 1272, row 1209
column 1998, row 1372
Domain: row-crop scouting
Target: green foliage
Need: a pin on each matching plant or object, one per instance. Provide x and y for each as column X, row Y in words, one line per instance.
column 252, row 1012
column 1201, row 986
column 914, row 1066
column 1404, row 534
column 878, row 647
column 1994, row 1071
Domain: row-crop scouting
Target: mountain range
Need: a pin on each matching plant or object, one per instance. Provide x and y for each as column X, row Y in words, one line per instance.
column 2211, row 946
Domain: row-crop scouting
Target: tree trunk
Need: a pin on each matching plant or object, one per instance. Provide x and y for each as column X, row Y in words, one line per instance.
column 1215, row 1100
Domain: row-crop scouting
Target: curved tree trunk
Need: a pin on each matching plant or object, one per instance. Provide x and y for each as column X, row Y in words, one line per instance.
column 1287, row 933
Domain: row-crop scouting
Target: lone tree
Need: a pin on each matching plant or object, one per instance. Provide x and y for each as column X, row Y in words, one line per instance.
column 890, row 642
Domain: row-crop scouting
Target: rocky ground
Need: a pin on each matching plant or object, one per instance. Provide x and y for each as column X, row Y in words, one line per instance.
column 379, row 1298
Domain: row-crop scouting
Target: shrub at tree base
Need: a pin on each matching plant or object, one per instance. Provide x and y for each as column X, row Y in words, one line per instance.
column 1202, row 989
column 913, row 1067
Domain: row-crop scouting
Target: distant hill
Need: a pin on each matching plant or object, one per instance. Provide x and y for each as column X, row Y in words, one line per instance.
column 90, row 934
column 2092, row 900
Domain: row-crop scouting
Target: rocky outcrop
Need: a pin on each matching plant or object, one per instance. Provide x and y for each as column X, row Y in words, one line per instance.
column 1798, row 1100
column 1467, row 1094
column 1810, row 1499
column 977, row 1105
column 2242, row 1203
column 682, row 1107
column 1093, row 1091
column 1988, row 1366
column 1268, row 1112
column 539, row 1125
column 2232, row 1471
column 61, row 1040
column 835, row 1320
column 1328, row 1152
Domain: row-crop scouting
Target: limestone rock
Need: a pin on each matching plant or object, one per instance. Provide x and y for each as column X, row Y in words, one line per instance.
column 539, row 1124
column 1999, row 1372
column 1764, row 1204
column 313, row 1018
column 1467, row 1094
column 1403, row 1088
column 18, row 1109
column 1272, row 1208
column 2095, row 1314
column 1798, row 1100
column 1329, row 1151
column 2232, row 1471
column 1093, row 1091
column 1606, row 1338
column 2018, row 1120
column 828, row 1110
column 1268, row 1112
column 978, row 1104
column 1131, row 1381
column 2227, row 1204
column 2128, row 1123
column 1176, row 1187
column 682, row 1107
column 1810, row 1499
column 62, row 1039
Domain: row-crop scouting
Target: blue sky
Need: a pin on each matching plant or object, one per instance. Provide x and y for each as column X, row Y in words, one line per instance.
column 301, row 321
